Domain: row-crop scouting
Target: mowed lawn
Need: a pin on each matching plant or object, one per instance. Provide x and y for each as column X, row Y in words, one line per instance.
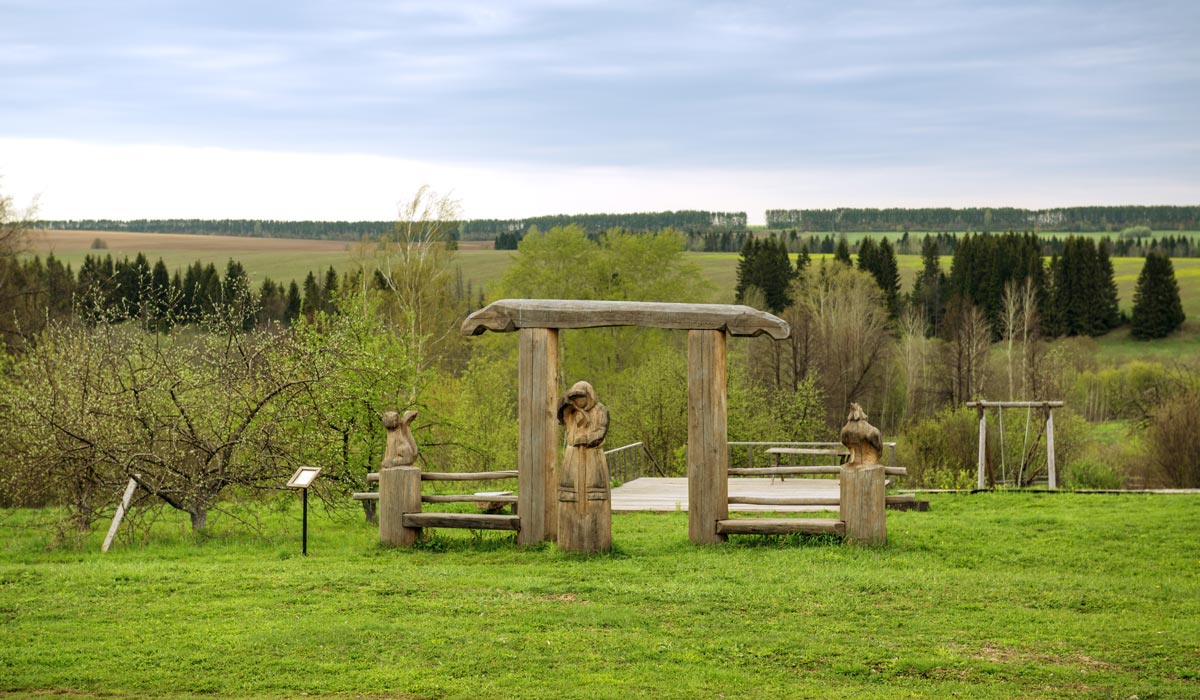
column 986, row 596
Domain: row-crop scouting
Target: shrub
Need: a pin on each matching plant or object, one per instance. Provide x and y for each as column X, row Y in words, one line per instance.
column 1173, row 441
column 942, row 451
column 1091, row 474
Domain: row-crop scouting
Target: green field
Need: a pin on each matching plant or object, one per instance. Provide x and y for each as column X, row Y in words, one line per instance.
column 986, row 596
column 293, row 259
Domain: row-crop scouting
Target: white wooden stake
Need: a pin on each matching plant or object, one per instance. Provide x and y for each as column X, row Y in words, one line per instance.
column 1050, row 449
column 982, row 446
column 116, row 521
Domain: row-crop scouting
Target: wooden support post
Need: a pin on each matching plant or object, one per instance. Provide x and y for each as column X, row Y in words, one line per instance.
column 399, row 493
column 537, row 445
column 116, row 521
column 1052, row 474
column 708, row 440
column 864, row 503
column 980, row 483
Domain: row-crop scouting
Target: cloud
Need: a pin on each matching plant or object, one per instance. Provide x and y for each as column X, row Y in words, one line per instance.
column 646, row 86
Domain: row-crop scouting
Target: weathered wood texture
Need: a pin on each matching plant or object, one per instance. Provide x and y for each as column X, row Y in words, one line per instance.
column 1015, row 404
column 537, row 446
column 863, row 481
column 801, row 469
column 400, row 450
column 473, row 521
column 467, row 498
column 399, row 495
column 469, row 476
column 981, row 466
column 119, row 516
column 768, row 501
column 862, row 439
column 584, row 492
column 1051, row 471
column 670, row 494
column 365, row 496
column 373, row 477
column 707, row 452
column 514, row 314
column 864, row 504
column 780, row 526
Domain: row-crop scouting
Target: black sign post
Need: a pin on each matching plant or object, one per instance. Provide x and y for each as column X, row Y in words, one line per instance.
column 302, row 479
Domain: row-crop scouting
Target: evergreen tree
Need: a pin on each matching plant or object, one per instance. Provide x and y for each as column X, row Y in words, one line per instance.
column 329, row 290
column 867, row 256
column 842, row 253
column 765, row 264
column 929, row 290
column 312, row 297
column 293, row 307
column 1110, row 307
column 1157, row 310
column 802, row 260
column 887, row 275
column 208, row 292
column 160, row 295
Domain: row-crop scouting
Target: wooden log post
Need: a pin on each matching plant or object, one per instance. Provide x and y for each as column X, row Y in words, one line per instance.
column 864, row 503
column 708, row 440
column 1051, row 472
column 399, row 494
column 537, row 446
column 979, row 480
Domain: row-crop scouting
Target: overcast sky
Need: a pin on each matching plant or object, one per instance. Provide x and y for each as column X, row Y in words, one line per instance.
column 338, row 110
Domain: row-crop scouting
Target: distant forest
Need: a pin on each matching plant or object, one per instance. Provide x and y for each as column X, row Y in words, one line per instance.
column 981, row 219
column 472, row 230
column 705, row 230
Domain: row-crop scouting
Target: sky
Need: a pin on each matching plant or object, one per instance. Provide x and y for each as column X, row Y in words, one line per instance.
column 316, row 109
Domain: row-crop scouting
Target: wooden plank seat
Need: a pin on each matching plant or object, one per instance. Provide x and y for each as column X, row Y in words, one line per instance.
column 781, row 526
column 472, row 521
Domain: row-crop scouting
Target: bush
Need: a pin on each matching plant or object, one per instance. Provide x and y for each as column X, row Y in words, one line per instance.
column 1136, row 232
column 1091, row 474
column 942, row 451
column 99, row 244
column 1173, row 441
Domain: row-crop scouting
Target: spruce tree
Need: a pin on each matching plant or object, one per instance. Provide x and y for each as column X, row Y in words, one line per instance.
column 842, row 254
column 1110, row 308
column 887, row 274
column 292, row 310
column 868, row 256
column 1157, row 309
column 929, row 291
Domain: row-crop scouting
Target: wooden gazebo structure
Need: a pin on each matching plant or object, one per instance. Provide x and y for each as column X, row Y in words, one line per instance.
column 539, row 320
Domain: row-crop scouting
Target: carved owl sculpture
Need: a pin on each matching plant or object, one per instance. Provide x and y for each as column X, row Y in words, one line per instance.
column 863, row 439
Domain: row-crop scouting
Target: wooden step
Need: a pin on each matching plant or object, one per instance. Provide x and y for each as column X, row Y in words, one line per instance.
column 781, row 526
column 367, row 496
column 472, row 521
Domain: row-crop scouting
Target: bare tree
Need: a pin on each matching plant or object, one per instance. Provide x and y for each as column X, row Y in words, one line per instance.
column 850, row 323
column 912, row 351
column 413, row 264
column 1012, row 323
column 964, row 364
column 187, row 416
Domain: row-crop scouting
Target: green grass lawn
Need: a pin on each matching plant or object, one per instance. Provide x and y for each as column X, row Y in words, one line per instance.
column 985, row 596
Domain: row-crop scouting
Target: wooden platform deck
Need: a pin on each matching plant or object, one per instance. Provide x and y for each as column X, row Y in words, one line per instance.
column 659, row 494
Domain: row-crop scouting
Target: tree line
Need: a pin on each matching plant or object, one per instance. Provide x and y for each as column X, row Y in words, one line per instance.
column 1073, row 294
column 471, row 229
column 985, row 219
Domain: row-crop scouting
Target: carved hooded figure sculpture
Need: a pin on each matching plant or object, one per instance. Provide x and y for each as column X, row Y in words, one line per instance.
column 584, row 510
